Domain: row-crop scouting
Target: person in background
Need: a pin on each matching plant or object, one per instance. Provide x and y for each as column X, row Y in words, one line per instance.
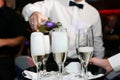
column 111, row 36
column 12, row 35
column 10, row 3
column 72, row 14
column 110, row 64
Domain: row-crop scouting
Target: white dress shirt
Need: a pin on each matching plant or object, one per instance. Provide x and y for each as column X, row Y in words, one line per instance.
column 71, row 18
column 115, row 62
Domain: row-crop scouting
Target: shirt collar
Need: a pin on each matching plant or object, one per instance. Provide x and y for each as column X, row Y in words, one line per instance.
column 81, row 2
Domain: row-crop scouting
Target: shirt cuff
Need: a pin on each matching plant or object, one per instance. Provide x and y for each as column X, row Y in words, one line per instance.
column 115, row 62
column 28, row 10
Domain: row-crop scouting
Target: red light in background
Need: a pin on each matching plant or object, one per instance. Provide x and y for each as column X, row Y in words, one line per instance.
column 111, row 11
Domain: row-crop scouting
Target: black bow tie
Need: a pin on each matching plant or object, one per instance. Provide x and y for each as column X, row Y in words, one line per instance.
column 75, row 4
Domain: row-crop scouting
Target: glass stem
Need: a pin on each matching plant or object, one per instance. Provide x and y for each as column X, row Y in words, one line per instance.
column 82, row 69
column 60, row 72
column 44, row 66
column 86, row 73
column 63, row 69
column 38, row 71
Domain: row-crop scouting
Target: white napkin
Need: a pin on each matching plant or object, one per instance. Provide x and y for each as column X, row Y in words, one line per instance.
column 29, row 75
column 91, row 76
column 73, row 67
column 33, row 76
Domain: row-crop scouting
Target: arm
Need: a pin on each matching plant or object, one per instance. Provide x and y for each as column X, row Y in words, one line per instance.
column 37, row 13
column 110, row 64
column 103, row 63
column 11, row 42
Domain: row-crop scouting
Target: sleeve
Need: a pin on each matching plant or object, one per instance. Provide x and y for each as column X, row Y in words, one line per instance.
column 40, row 6
column 98, row 41
column 115, row 62
column 27, row 11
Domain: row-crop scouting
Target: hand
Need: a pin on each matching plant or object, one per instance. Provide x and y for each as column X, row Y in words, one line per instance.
column 103, row 63
column 2, row 43
column 36, row 19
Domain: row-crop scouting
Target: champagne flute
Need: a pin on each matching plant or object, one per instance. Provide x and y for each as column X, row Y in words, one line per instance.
column 85, row 49
column 47, row 52
column 59, row 48
column 37, row 50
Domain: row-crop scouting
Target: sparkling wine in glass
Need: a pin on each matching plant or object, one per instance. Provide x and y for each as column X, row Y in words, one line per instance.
column 85, row 49
column 59, row 48
column 37, row 50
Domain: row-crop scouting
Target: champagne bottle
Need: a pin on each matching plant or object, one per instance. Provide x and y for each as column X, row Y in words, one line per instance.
column 48, row 26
